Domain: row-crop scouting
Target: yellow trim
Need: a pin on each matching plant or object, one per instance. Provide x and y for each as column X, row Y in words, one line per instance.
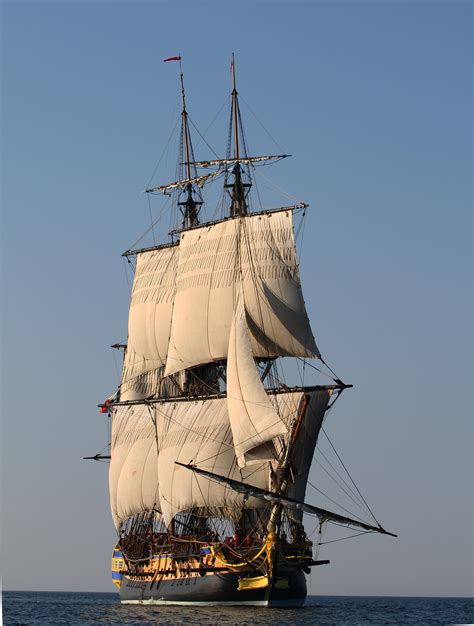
column 299, row 558
column 257, row 582
column 254, row 558
column 118, row 565
column 268, row 546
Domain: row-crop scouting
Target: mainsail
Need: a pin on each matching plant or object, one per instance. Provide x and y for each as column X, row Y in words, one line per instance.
column 147, row 438
column 133, row 473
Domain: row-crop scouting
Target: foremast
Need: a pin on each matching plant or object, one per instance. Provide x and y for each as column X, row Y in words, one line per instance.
column 187, row 179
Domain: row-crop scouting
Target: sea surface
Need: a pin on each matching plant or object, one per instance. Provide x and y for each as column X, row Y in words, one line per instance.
column 23, row 607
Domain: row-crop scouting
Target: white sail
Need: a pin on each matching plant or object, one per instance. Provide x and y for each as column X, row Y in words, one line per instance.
column 133, row 473
column 199, row 432
column 138, row 382
column 253, row 418
column 149, row 322
column 143, row 475
column 260, row 249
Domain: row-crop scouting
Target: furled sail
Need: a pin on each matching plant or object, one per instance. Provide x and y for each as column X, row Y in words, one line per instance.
column 253, row 418
column 260, row 250
column 149, row 324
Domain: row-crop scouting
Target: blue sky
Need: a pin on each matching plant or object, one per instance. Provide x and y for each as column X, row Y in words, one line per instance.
column 375, row 103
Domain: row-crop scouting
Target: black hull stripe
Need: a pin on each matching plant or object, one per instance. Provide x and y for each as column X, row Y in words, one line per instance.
column 215, row 589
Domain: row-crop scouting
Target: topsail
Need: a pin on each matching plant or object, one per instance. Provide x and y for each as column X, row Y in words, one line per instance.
column 259, row 251
column 149, row 322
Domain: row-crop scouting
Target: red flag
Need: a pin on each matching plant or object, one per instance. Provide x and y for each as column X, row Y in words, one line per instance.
column 178, row 58
column 104, row 408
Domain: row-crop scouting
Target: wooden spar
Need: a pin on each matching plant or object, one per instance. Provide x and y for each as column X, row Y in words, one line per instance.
column 245, row 159
column 299, row 419
column 212, row 396
column 274, row 522
column 128, row 253
column 176, row 231
column 272, row 496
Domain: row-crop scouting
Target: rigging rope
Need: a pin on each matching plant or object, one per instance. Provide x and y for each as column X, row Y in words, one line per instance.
column 263, row 127
column 165, row 149
column 334, row 502
column 365, row 532
column 320, row 371
column 351, row 479
column 155, row 223
column 279, row 189
column 358, row 504
column 202, row 136
column 151, row 219
column 335, row 470
column 127, row 278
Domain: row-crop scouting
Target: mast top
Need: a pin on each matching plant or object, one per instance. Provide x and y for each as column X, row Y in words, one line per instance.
column 238, row 193
column 234, row 109
column 184, row 115
column 232, row 69
column 190, row 205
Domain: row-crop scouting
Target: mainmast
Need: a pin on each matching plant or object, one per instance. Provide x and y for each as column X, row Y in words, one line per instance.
column 238, row 193
column 190, row 204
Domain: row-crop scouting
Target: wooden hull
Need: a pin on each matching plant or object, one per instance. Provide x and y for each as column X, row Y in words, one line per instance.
column 215, row 589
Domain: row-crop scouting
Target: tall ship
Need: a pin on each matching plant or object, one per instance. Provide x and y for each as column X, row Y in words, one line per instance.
column 210, row 444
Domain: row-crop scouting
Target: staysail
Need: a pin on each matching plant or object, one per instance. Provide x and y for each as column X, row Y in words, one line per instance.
column 253, row 418
column 212, row 259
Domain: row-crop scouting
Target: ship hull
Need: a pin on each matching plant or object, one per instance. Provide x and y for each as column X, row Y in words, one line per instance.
column 217, row 589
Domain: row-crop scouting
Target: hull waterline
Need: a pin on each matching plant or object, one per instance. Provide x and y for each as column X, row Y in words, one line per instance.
column 217, row 589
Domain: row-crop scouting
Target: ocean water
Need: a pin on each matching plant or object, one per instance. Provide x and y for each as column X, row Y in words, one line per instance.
column 28, row 608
